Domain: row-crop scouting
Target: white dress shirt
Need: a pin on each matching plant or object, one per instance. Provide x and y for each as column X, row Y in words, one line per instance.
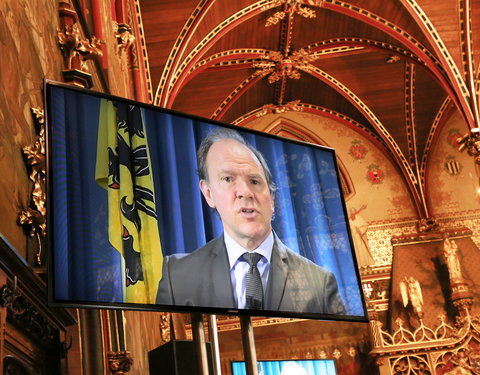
column 239, row 267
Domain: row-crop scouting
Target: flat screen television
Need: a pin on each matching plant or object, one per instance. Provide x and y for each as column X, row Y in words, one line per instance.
column 129, row 218
column 289, row 367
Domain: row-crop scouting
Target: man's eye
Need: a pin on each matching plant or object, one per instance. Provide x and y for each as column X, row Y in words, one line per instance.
column 227, row 179
column 255, row 182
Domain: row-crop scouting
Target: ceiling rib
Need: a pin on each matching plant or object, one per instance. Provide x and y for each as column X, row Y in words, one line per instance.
column 451, row 82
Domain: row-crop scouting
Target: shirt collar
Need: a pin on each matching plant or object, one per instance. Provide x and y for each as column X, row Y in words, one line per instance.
column 235, row 251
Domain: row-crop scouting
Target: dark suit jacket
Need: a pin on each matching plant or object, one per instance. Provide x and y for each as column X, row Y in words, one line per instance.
column 202, row 278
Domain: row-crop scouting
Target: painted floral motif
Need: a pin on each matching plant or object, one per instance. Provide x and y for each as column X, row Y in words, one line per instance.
column 357, row 149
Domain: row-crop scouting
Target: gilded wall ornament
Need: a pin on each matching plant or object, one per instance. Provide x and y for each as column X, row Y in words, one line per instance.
column 33, row 218
column 72, row 45
column 88, row 49
column 68, row 40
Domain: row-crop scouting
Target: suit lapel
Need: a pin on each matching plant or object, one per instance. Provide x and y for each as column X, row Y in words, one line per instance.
column 277, row 278
column 220, row 274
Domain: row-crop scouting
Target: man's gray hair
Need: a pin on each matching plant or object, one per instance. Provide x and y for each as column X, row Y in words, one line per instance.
column 227, row 133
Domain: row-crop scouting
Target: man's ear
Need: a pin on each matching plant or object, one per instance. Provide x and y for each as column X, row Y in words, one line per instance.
column 207, row 193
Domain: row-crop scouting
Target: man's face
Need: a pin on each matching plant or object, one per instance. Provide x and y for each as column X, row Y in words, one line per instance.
column 237, row 188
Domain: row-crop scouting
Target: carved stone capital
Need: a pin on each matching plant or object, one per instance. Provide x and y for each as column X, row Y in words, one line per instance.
column 120, row 363
column 76, row 49
column 124, row 36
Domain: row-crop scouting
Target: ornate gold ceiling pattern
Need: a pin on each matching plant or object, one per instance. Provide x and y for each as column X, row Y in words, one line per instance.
column 395, row 71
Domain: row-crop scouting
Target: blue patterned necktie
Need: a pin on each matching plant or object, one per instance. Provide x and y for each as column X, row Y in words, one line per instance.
column 254, row 288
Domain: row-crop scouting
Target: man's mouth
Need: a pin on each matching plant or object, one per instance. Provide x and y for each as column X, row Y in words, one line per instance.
column 247, row 210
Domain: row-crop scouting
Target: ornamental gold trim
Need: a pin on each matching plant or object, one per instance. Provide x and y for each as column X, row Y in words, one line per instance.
column 277, row 66
column 292, row 7
column 33, row 217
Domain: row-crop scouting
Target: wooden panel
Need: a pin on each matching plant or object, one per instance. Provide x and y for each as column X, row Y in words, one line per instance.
column 30, row 330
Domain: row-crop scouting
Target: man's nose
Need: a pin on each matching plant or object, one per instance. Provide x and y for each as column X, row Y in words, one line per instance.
column 243, row 190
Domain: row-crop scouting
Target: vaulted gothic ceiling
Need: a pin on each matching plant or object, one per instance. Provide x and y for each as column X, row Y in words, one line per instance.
column 395, row 70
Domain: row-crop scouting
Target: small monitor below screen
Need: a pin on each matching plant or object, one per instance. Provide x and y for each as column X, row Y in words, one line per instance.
column 289, row 367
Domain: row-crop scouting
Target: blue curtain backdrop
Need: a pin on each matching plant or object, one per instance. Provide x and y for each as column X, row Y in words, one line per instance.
column 309, row 216
column 86, row 267
column 311, row 367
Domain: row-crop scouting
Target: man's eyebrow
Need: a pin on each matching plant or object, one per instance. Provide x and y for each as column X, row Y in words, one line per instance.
column 256, row 175
column 234, row 173
column 226, row 171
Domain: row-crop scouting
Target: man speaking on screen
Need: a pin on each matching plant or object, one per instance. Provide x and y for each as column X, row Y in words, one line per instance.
column 248, row 267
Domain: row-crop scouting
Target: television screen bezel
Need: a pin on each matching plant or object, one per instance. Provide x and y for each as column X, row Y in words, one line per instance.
column 179, row 308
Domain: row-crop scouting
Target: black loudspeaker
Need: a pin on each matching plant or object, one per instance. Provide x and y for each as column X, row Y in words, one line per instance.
column 177, row 357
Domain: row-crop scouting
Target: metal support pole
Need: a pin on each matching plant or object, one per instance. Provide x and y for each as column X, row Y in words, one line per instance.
column 199, row 343
column 91, row 341
column 248, row 345
column 213, row 337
